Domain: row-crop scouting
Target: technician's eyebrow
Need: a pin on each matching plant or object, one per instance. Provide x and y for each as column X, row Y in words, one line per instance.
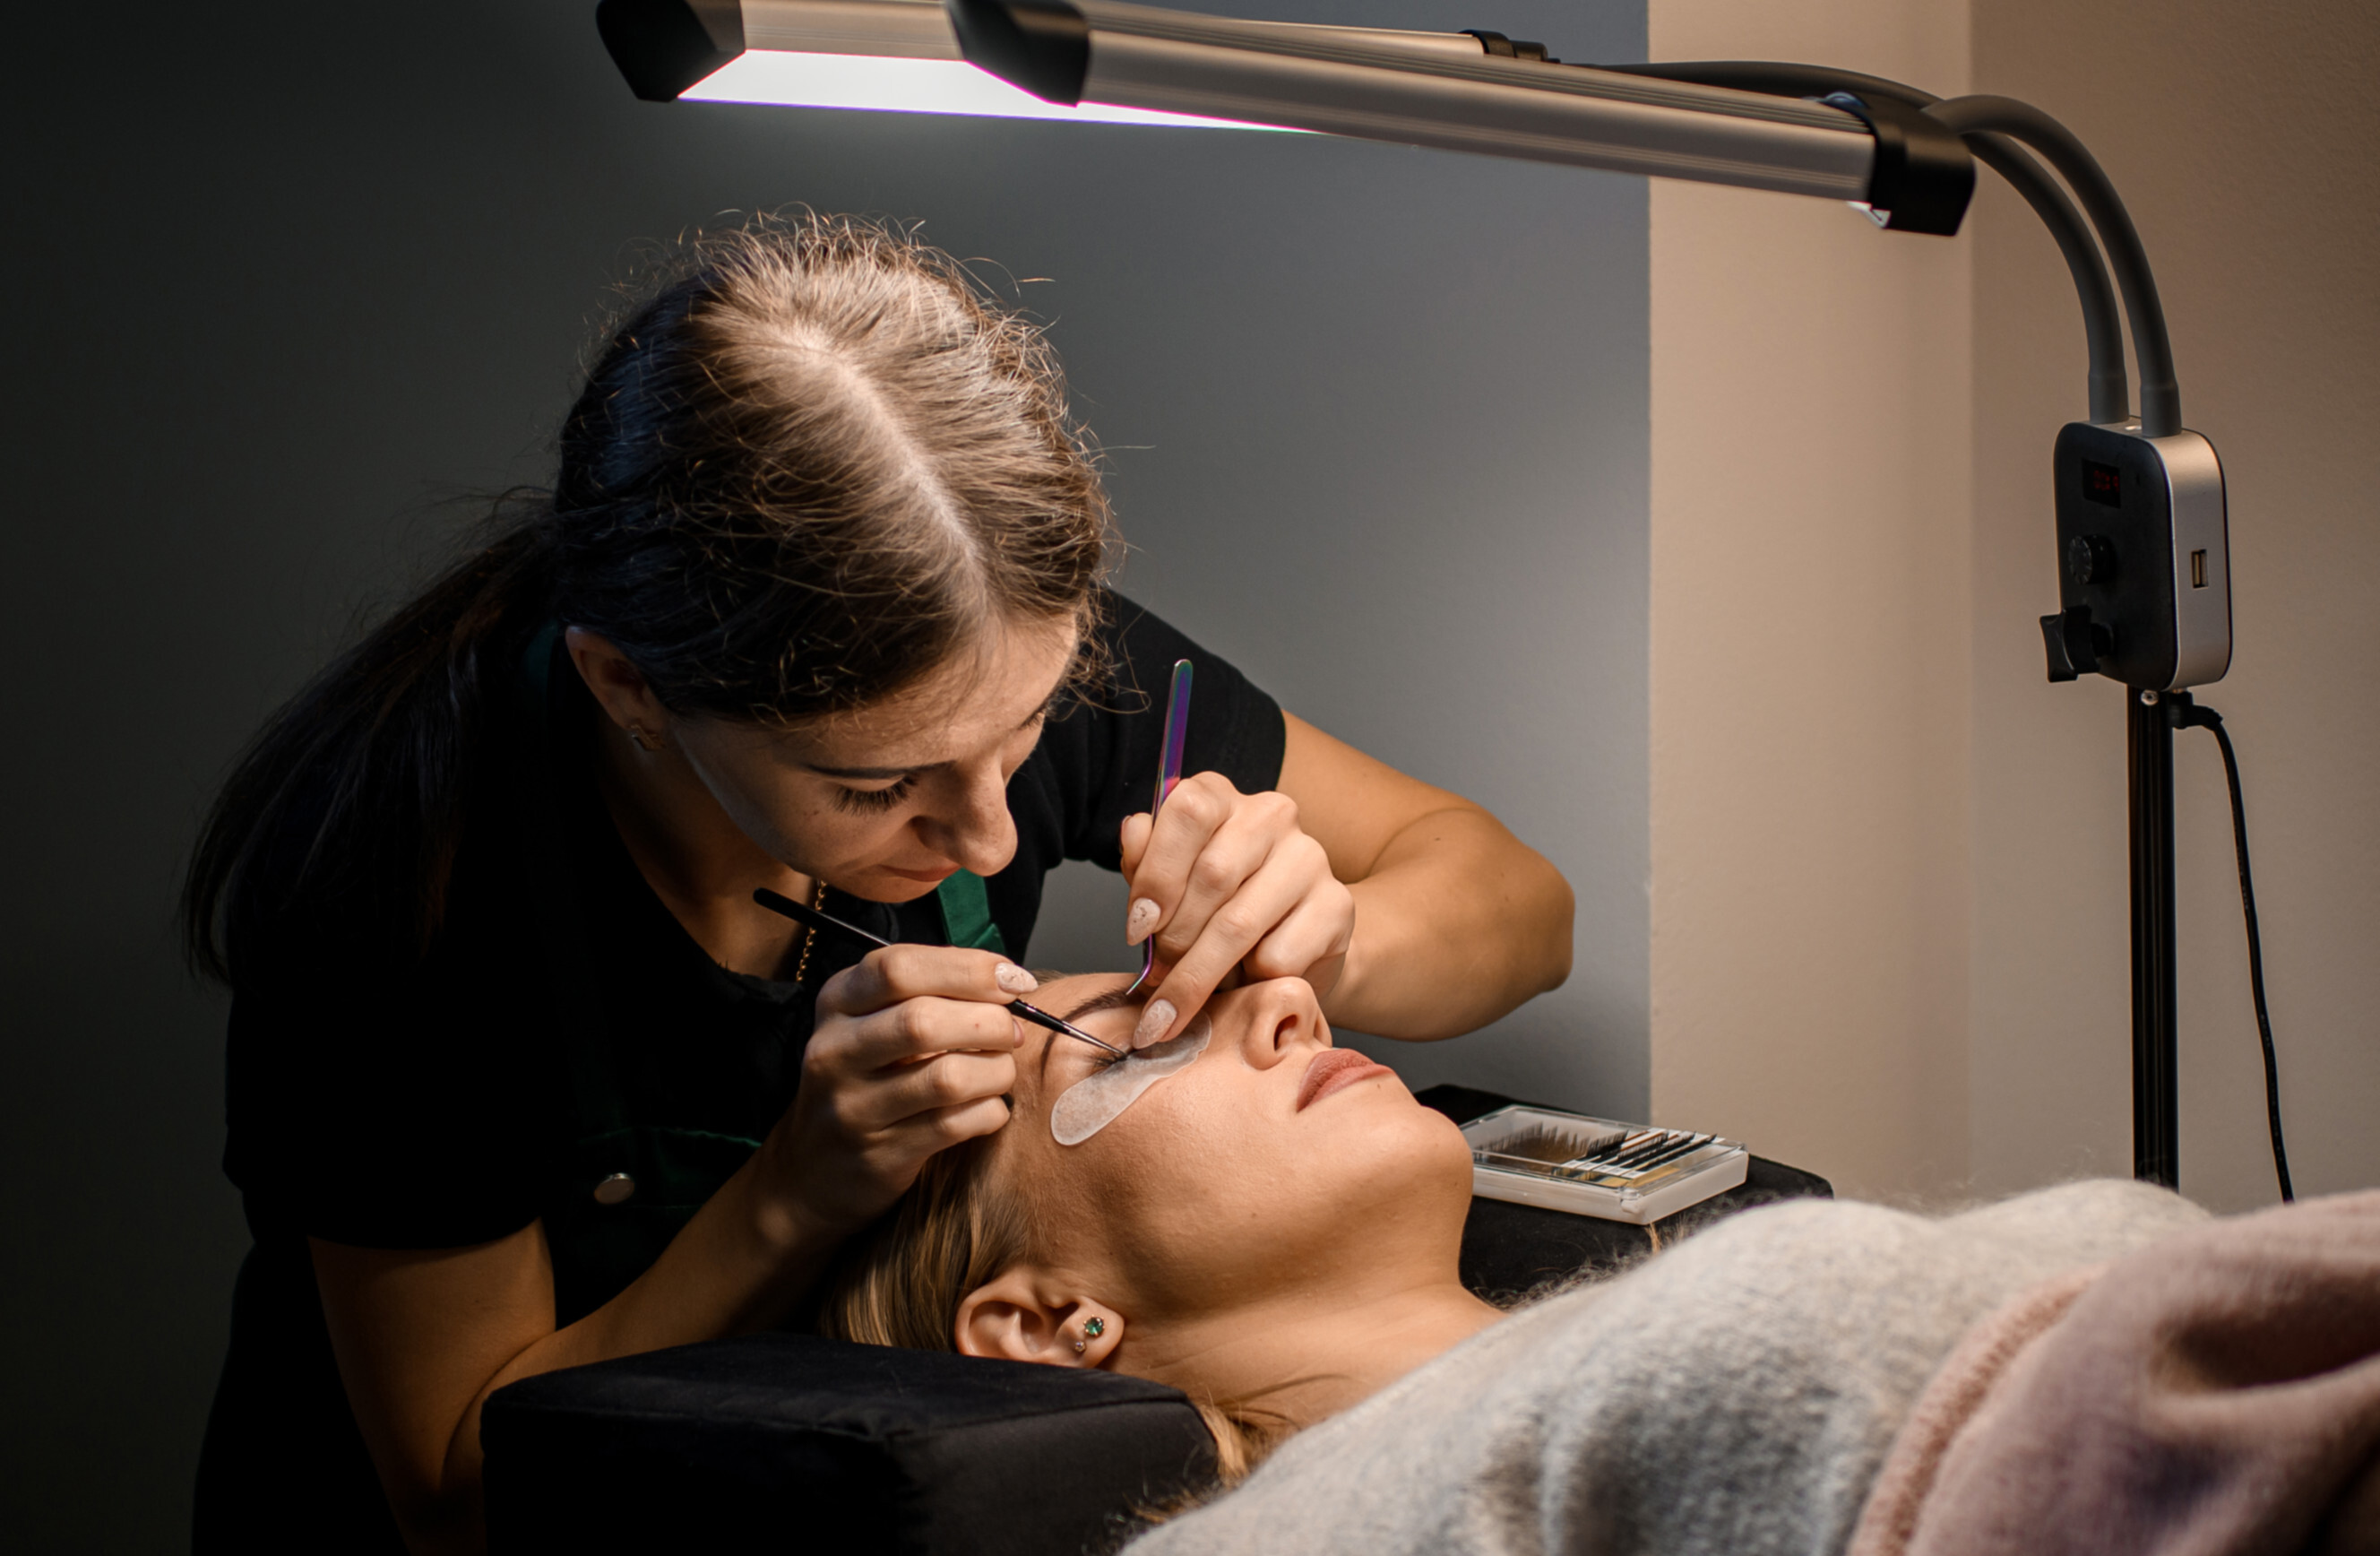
column 872, row 772
column 870, row 775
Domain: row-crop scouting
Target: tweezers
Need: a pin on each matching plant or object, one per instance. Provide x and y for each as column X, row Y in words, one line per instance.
column 1169, row 773
column 804, row 914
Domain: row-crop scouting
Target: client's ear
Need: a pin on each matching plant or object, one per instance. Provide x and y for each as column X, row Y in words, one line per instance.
column 1017, row 1317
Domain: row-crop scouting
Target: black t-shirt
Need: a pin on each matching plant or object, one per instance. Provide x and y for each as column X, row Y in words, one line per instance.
column 563, row 1026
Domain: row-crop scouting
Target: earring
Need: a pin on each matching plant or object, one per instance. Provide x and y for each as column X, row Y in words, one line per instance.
column 646, row 739
column 1092, row 1329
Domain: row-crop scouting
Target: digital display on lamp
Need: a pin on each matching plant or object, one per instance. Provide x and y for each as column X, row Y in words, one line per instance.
column 2103, row 483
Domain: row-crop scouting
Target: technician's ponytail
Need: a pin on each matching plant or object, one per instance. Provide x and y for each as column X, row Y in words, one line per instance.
column 347, row 803
column 812, row 466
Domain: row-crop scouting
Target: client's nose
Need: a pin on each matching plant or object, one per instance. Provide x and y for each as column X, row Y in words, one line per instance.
column 1284, row 1017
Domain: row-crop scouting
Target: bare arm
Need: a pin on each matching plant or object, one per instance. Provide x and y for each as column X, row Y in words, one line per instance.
column 1410, row 910
column 1457, row 922
column 914, row 1051
column 423, row 1337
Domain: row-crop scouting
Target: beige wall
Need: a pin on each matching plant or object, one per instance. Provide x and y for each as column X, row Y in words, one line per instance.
column 1888, row 878
column 2246, row 141
column 1810, row 517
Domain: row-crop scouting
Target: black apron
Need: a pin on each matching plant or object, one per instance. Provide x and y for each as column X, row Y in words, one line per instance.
column 622, row 1188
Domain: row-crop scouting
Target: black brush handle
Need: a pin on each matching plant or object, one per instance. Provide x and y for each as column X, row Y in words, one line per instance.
column 803, row 913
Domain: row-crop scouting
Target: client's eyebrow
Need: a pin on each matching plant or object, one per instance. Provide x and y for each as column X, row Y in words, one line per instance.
column 1112, row 999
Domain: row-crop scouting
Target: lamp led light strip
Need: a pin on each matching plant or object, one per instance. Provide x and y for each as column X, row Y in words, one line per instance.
column 793, row 79
column 2144, row 563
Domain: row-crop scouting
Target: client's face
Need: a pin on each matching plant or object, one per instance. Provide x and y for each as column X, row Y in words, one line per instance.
column 1274, row 1161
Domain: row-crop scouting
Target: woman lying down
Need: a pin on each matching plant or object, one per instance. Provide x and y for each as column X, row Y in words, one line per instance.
column 1273, row 1227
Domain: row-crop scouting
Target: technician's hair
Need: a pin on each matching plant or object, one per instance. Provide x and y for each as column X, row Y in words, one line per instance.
column 957, row 1228
column 812, row 466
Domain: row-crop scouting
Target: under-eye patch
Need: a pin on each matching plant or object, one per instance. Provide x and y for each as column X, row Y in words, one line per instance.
column 1092, row 1103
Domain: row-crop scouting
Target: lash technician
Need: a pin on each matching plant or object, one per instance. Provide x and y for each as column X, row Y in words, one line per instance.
column 521, row 1076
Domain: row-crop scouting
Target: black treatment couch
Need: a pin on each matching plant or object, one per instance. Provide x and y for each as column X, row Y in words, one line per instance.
column 790, row 1442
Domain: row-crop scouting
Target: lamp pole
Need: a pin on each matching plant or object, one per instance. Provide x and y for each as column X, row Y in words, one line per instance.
column 2156, row 1091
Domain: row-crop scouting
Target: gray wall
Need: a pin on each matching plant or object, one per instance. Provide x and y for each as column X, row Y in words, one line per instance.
column 289, row 281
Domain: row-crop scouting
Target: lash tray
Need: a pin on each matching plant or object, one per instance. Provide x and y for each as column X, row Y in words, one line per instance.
column 1597, row 1166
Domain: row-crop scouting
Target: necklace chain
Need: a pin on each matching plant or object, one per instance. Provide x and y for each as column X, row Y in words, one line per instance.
column 810, row 936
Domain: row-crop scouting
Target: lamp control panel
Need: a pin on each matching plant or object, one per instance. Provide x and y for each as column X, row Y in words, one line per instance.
column 2144, row 559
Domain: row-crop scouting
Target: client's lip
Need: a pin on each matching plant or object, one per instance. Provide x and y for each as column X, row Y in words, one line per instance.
column 1333, row 1069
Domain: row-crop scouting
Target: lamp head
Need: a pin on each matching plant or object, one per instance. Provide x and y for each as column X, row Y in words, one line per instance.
column 664, row 46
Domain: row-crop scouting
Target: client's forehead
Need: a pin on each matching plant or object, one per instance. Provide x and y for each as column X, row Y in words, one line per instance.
column 1090, row 994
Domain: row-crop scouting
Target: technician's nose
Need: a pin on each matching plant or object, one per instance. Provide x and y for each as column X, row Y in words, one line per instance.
column 1284, row 1019
column 976, row 834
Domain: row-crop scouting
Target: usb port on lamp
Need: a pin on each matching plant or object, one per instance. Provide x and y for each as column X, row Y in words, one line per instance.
column 2198, row 569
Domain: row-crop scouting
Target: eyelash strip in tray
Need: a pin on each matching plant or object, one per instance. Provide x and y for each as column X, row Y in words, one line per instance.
column 1597, row 1166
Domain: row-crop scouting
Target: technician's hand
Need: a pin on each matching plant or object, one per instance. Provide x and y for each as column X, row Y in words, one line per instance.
column 913, row 1052
column 1230, row 880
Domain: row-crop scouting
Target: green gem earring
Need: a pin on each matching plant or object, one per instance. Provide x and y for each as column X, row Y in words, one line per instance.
column 1092, row 1329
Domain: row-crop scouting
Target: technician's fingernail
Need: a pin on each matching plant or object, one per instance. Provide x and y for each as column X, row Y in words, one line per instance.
column 1153, row 1022
column 1013, row 979
column 1142, row 919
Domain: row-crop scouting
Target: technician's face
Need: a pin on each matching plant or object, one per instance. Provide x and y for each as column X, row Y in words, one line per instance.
column 1273, row 1159
column 888, row 801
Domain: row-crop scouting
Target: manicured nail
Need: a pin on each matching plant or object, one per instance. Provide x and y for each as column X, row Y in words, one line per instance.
column 1142, row 919
column 1153, row 1022
column 1013, row 979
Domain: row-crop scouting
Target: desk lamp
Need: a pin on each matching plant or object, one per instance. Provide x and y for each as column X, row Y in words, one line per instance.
column 2142, row 548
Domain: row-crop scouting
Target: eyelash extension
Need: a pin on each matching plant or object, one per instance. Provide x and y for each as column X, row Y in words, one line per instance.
column 875, row 799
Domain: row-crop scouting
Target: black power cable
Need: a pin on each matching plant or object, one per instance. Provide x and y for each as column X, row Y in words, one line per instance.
column 2187, row 713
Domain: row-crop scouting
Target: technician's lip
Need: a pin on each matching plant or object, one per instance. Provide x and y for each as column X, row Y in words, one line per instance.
column 1334, row 1069
column 931, row 877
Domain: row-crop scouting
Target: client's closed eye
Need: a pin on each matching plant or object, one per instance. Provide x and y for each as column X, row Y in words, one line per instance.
column 1088, row 1014
column 1095, row 1014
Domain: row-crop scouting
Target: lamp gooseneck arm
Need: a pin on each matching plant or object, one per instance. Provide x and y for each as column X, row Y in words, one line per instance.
column 2160, row 395
column 2109, row 383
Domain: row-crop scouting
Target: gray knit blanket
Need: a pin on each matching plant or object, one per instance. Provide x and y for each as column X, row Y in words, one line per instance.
column 1733, row 1396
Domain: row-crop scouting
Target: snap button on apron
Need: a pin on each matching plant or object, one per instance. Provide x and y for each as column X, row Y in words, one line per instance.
column 616, row 1190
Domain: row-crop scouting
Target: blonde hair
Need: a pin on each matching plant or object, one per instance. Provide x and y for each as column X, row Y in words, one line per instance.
column 901, row 1282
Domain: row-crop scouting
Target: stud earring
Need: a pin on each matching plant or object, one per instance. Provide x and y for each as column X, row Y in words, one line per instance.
column 1092, row 1329
column 646, row 739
